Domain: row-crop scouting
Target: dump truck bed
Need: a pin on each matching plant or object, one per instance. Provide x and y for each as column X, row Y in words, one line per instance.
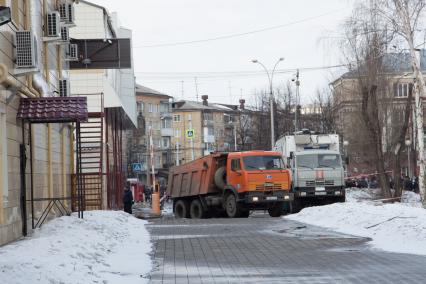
column 196, row 177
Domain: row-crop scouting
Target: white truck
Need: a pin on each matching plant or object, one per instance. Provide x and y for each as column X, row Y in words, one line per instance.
column 316, row 167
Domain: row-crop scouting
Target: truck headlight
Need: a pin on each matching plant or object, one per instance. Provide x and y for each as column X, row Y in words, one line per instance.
column 303, row 194
column 255, row 199
column 286, row 197
column 337, row 193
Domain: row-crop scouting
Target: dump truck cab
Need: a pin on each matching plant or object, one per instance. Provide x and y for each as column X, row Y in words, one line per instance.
column 258, row 180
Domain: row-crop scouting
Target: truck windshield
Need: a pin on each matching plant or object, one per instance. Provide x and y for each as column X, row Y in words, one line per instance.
column 318, row 161
column 263, row 163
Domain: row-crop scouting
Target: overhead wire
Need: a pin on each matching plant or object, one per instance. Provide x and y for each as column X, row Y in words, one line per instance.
column 237, row 34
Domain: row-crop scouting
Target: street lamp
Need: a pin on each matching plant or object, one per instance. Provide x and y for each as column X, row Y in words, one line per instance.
column 408, row 144
column 345, row 149
column 271, row 95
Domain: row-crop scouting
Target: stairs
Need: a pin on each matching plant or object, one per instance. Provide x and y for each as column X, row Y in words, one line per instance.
column 91, row 149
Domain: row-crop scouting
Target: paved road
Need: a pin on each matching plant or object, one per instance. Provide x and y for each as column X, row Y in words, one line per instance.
column 261, row 249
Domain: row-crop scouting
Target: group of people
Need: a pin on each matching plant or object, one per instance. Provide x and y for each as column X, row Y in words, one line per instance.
column 411, row 184
column 128, row 200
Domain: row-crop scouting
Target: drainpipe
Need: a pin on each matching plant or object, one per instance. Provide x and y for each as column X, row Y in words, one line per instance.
column 8, row 82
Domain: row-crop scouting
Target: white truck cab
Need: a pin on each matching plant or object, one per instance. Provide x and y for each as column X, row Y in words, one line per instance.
column 316, row 166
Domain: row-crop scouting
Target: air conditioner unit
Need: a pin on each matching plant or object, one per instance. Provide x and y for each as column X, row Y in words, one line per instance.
column 26, row 49
column 65, row 34
column 52, row 27
column 64, row 87
column 72, row 52
column 66, row 11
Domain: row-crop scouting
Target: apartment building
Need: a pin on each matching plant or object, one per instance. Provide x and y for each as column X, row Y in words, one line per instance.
column 202, row 127
column 107, row 80
column 397, row 78
column 154, row 112
column 36, row 159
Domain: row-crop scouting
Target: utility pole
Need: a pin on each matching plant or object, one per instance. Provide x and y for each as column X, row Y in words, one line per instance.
column 191, row 139
column 177, row 151
column 196, row 88
column 297, row 102
column 182, row 90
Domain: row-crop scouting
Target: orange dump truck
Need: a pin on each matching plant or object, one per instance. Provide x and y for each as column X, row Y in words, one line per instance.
column 231, row 183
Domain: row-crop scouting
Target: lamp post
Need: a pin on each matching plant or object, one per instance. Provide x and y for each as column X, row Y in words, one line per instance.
column 271, row 95
column 345, row 149
column 408, row 144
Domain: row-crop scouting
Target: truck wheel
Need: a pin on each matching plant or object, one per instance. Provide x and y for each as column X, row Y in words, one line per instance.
column 196, row 211
column 220, row 177
column 231, row 206
column 181, row 209
column 276, row 210
column 295, row 206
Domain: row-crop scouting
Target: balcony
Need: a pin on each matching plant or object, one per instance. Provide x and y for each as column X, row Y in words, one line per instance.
column 168, row 132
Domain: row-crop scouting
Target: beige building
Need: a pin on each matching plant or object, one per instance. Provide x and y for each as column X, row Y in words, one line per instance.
column 154, row 112
column 212, row 126
column 37, row 73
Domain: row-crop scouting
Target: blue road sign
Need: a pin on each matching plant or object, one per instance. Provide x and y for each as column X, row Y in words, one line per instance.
column 137, row 167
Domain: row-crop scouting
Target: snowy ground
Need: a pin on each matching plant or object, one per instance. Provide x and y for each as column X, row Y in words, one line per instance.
column 398, row 227
column 104, row 247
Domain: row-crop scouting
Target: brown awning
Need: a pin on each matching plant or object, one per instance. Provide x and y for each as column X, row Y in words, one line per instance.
column 53, row 109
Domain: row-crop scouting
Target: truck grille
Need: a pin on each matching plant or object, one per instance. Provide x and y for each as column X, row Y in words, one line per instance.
column 275, row 186
column 313, row 183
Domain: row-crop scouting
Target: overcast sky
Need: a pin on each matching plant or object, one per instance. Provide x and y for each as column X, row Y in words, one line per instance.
column 303, row 40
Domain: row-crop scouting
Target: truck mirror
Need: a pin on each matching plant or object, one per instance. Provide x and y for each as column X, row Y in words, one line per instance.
column 347, row 160
column 291, row 155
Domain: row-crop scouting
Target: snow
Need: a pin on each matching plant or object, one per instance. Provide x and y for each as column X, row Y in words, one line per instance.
column 104, row 247
column 397, row 227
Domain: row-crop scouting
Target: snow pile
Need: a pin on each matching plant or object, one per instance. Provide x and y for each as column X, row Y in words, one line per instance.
column 412, row 199
column 104, row 247
column 361, row 194
column 392, row 227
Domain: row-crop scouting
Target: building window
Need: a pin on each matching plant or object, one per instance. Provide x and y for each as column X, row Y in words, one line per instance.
column 176, row 118
column 401, row 90
column 166, row 142
column 164, row 107
column 166, row 123
column 208, row 116
column 177, row 133
column 209, row 147
column 158, row 162
column 210, row 131
column 140, row 107
column 150, row 108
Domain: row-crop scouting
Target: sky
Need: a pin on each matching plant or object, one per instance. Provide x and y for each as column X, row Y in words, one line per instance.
column 307, row 37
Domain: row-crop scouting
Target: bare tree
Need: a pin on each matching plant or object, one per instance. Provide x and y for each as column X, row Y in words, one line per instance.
column 405, row 16
column 366, row 43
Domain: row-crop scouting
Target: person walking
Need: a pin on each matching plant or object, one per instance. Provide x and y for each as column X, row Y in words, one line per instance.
column 127, row 200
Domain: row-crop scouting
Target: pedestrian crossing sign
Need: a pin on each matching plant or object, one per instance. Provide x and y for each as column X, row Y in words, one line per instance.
column 190, row 133
column 137, row 167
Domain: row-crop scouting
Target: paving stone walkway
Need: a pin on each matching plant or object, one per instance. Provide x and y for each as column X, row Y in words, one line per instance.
column 261, row 249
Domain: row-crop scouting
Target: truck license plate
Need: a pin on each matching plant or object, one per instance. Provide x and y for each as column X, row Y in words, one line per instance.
column 268, row 184
column 320, row 188
column 271, row 198
column 321, row 193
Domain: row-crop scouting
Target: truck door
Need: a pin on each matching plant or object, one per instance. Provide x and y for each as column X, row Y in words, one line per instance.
column 235, row 176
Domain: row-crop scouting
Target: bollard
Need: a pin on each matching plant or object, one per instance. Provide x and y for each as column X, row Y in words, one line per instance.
column 155, row 199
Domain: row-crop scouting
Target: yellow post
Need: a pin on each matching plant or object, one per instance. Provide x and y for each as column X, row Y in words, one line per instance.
column 156, row 201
